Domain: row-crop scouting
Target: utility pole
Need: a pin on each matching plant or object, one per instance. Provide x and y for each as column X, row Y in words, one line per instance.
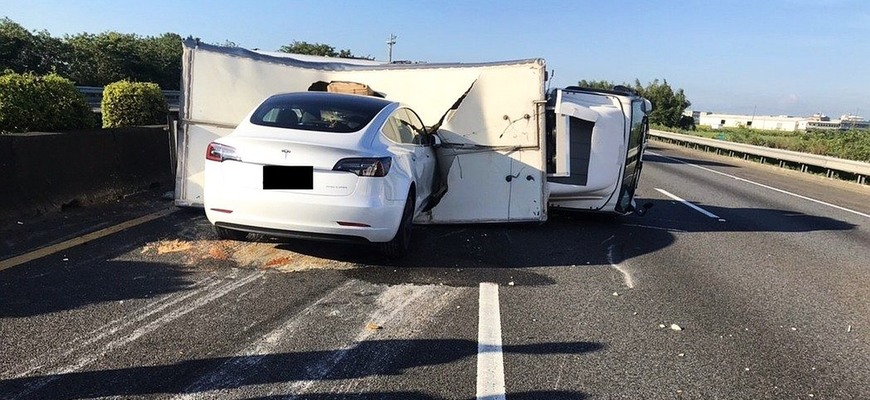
column 390, row 42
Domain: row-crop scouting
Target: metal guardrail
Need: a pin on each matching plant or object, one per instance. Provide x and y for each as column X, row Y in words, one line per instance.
column 94, row 96
column 830, row 164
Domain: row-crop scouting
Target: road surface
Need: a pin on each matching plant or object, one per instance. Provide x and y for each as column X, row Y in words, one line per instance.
column 742, row 281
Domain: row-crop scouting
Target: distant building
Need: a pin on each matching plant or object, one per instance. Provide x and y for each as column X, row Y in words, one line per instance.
column 766, row 122
column 785, row 123
column 853, row 122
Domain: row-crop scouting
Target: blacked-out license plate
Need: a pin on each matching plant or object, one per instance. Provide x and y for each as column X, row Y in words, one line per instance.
column 288, row 177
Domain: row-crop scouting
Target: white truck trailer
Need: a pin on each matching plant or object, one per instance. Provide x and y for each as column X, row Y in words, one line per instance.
column 509, row 149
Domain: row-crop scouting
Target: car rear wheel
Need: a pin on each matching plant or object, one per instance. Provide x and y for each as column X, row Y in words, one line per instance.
column 398, row 247
column 230, row 234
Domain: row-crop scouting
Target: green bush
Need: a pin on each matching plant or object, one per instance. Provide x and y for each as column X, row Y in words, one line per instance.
column 133, row 104
column 50, row 103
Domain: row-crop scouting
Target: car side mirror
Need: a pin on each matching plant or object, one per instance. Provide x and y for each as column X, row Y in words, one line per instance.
column 436, row 140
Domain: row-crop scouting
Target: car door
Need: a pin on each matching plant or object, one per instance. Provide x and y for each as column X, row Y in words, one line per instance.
column 400, row 130
column 424, row 156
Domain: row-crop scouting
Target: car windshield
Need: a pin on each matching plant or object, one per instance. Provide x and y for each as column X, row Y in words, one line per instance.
column 318, row 111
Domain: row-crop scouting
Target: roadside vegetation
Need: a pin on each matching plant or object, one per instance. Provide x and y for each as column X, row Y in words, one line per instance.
column 850, row 145
column 48, row 103
column 39, row 74
column 668, row 104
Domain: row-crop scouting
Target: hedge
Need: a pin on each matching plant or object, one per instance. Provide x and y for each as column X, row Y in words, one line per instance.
column 47, row 103
column 128, row 103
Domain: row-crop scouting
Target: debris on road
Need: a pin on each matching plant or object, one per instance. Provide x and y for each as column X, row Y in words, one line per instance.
column 172, row 246
column 849, row 329
column 676, row 327
column 254, row 254
column 511, row 283
column 661, row 326
column 373, row 326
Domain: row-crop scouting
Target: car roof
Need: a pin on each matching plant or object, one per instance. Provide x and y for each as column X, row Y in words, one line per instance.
column 345, row 99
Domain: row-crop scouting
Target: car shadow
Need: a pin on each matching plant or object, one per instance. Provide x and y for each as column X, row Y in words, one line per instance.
column 366, row 359
column 497, row 252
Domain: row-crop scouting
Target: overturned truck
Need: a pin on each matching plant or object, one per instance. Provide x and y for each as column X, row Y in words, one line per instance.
column 508, row 148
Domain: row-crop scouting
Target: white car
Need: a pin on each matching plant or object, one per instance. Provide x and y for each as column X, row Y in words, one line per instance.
column 319, row 165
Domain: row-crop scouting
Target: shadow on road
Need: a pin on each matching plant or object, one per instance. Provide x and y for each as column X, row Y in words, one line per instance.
column 675, row 215
column 366, row 359
column 47, row 287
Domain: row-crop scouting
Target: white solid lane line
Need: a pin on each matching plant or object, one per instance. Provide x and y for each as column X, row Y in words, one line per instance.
column 490, row 360
column 765, row 186
column 690, row 205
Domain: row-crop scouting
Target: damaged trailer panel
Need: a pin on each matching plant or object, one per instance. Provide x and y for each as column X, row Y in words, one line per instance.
column 490, row 118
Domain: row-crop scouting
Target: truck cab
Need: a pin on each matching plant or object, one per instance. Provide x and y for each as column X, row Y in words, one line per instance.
column 595, row 144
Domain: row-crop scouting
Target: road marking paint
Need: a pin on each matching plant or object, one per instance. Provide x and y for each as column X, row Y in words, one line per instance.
column 253, row 354
column 108, row 329
column 392, row 310
column 690, row 205
column 48, row 250
column 392, row 302
column 490, row 359
column 84, row 361
column 767, row 187
column 658, row 228
column 626, row 277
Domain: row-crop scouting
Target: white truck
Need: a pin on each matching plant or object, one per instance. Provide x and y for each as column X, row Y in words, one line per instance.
column 509, row 148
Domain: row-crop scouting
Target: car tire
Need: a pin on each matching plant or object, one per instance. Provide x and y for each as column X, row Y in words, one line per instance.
column 398, row 246
column 230, row 234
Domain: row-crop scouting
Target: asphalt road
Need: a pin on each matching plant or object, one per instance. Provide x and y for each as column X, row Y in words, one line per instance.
column 759, row 291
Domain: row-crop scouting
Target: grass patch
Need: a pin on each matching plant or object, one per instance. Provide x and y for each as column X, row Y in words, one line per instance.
column 850, row 145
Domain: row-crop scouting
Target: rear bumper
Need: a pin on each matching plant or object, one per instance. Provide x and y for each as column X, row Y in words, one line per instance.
column 294, row 234
column 372, row 217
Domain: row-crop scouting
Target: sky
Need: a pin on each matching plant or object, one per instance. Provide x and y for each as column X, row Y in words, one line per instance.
column 762, row 57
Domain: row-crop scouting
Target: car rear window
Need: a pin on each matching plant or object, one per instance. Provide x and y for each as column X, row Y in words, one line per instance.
column 318, row 111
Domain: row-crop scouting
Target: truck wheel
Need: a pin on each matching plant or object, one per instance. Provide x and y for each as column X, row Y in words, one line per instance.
column 230, row 234
column 398, row 246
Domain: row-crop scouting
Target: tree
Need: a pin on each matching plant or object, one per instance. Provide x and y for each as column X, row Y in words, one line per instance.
column 22, row 51
column 100, row 59
column 668, row 105
column 317, row 49
column 605, row 85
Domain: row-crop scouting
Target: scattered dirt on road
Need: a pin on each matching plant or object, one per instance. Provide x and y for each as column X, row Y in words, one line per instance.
column 260, row 255
column 171, row 246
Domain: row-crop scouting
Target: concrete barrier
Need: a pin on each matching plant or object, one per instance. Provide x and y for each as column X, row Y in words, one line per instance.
column 45, row 172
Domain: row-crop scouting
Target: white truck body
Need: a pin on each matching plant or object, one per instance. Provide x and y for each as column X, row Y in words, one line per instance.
column 491, row 118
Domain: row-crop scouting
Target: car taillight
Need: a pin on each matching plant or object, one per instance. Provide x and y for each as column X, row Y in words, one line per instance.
column 365, row 166
column 221, row 152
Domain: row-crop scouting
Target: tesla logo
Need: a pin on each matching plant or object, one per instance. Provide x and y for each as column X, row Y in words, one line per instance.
column 286, row 153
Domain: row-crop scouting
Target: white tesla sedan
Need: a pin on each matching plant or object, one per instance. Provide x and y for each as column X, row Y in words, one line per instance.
column 318, row 165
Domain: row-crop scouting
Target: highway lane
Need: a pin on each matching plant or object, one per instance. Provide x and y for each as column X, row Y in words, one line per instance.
column 771, row 302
